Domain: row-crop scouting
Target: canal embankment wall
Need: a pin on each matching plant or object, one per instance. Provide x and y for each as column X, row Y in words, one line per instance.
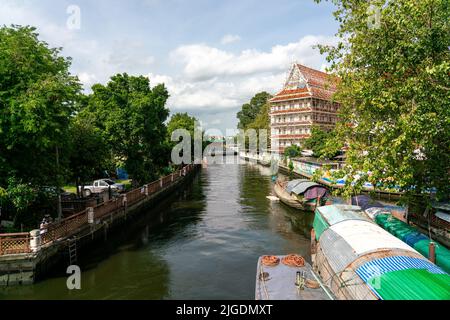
column 26, row 257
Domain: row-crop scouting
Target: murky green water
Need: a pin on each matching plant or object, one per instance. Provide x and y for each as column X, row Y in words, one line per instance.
column 206, row 246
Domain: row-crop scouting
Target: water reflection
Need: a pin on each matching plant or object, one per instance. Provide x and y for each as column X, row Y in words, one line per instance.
column 205, row 248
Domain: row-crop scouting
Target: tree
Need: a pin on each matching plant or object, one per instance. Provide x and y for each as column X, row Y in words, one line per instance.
column 131, row 115
column 186, row 122
column 255, row 115
column 393, row 62
column 323, row 143
column 181, row 121
column 250, row 110
column 262, row 121
column 37, row 97
column 292, row 151
column 89, row 152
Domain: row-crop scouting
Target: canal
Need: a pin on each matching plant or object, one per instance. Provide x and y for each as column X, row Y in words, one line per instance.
column 201, row 243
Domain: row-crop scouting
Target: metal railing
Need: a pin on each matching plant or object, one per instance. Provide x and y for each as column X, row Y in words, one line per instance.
column 16, row 243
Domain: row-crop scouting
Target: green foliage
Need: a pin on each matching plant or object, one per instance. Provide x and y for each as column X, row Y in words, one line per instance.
column 324, row 144
column 20, row 194
column 181, row 121
column 292, row 151
column 37, row 97
column 187, row 122
column 262, row 122
column 89, row 152
column 131, row 115
column 394, row 92
column 251, row 110
column 291, row 169
column 20, row 199
column 255, row 115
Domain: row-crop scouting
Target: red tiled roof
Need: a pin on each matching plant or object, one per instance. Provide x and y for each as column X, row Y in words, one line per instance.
column 321, row 86
column 321, row 93
column 281, row 97
column 294, row 91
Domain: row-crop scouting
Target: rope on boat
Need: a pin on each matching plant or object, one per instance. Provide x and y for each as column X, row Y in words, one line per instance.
column 270, row 261
column 293, row 260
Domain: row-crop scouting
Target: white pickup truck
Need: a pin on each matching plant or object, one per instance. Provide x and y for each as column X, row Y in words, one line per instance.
column 103, row 185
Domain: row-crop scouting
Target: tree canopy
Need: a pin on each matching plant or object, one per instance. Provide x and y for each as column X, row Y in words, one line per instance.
column 51, row 132
column 131, row 115
column 292, row 151
column 37, row 97
column 393, row 61
column 323, row 143
column 255, row 115
column 181, row 121
column 250, row 111
column 89, row 152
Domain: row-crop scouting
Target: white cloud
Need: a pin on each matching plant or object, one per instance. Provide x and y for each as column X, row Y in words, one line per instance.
column 88, row 79
column 209, row 82
column 218, row 81
column 93, row 61
column 229, row 38
column 215, row 95
column 202, row 62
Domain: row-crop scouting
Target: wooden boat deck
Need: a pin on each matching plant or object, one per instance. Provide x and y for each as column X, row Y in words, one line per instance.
column 280, row 284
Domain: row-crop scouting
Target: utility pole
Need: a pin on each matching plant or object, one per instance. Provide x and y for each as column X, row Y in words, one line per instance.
column 58, row 187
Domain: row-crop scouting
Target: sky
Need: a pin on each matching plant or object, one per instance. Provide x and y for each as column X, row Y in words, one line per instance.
column 212, row 55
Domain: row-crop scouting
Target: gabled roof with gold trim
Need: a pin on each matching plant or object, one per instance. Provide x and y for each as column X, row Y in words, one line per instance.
column 304, row 82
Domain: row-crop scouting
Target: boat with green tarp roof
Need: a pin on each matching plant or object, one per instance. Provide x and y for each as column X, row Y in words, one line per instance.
column 358, row 260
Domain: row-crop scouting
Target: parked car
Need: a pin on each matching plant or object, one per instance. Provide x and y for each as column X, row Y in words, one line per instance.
column 101, row 185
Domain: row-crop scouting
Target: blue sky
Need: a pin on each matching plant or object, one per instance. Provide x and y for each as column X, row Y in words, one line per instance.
column 212, row 55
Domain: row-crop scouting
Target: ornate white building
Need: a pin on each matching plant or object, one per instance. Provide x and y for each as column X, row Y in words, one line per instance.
column 305, row 100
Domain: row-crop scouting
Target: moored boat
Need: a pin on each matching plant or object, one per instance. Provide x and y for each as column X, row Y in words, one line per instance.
column 278, row 281
column 404, row 231
column 358, row 260
column 301, row 194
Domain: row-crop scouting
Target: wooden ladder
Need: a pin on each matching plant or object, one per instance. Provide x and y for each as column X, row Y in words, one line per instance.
column 72, row 250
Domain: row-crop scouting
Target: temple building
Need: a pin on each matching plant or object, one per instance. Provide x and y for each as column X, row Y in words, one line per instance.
column 304, row 102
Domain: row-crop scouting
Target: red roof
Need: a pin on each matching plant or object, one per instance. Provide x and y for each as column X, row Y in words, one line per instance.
column 320, row 85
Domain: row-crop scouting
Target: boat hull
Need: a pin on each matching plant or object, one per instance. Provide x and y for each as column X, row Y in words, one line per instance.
column 292, row 201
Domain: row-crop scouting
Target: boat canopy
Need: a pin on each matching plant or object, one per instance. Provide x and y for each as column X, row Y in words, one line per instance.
column 353, row 246
column 292, row 184
column 330, row 215
column 405, row 278
column 302, row 187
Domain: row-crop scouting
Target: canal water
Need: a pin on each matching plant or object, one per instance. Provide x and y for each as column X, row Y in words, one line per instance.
column 204, row 244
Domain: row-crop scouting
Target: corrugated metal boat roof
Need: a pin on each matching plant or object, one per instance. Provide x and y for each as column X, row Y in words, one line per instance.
column 293, row 183
column 303, row 186
column 340, row 212
column 402, row 277
column 338, row 252
column 365, row 236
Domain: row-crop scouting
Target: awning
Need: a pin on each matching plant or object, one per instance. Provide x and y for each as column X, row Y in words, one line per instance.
column 303, row 186
column 292, row 184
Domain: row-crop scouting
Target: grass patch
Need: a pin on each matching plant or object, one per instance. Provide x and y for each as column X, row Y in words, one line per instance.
column 70, row 188
column 126, row 183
